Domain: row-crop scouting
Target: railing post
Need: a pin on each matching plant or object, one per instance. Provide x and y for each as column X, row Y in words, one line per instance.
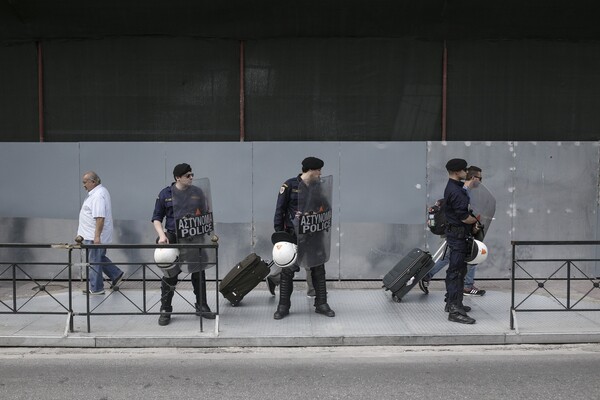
column 14, row 281
column 144, row 287
column 200, row 289
column 71, row 324
column 217, row 278
column 568, row 284
column 512, row 289
column 87, row 289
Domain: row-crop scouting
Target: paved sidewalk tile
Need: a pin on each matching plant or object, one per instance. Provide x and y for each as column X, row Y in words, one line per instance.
column 365, row 315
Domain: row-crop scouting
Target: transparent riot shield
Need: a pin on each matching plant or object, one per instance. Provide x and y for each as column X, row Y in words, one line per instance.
column 313, row 221
column 192, row 210
column 483, row 206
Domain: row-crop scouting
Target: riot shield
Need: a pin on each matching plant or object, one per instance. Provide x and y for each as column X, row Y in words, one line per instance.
column 192, row 210
column 483, row 206
column 313, row 221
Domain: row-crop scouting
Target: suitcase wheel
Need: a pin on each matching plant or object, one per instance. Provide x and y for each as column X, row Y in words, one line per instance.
column 396, row 298
column 234, row 304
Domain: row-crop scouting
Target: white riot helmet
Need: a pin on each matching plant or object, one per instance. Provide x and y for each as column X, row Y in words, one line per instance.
column 284, row 254
column 165, row 257
column 479, row 253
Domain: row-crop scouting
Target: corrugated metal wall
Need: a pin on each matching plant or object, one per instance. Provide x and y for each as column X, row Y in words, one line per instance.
column 544, row 191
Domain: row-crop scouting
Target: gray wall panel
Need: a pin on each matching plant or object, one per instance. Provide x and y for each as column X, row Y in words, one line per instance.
column 39, row 180
column 556, row 188
column 556, row 197
column 545, row 191
column 382, row 182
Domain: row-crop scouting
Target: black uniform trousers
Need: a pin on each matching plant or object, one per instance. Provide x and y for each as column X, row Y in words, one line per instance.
column 168, row 284
column 457, row 269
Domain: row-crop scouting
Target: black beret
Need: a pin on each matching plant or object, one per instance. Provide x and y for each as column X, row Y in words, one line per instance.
column 456, row 164
column 312, row 163
column 181, row 169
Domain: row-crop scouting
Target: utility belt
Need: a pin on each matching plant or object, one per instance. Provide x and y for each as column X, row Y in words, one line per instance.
column 459, row 232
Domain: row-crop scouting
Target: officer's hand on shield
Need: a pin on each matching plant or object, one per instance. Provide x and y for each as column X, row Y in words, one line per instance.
column 162, row 239
column 477, row 226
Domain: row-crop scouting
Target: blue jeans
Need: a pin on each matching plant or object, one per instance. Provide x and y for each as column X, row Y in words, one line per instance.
column 470, row 277
column 96, row 256
column 444, row 261
column 440, row 264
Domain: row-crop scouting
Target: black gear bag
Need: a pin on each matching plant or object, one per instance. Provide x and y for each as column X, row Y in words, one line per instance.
column 436, row 218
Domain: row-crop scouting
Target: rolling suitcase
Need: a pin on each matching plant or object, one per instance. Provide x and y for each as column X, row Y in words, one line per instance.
column 244, row 277
column 407, row 273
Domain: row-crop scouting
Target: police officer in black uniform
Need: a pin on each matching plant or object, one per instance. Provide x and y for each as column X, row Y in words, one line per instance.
column 163, row 210
column 285, row 216
column 461, row 226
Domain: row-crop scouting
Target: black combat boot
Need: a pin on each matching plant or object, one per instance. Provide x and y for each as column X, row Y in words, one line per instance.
column 286, row 287
column 281, row 312
column 466, row 308
column 167, row 291
column 199, row 284
column 165, row 315
column 458, row 314
column 318, row 278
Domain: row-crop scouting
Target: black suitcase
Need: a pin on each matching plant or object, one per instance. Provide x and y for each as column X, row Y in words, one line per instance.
column 244, row 277
column 407, row 273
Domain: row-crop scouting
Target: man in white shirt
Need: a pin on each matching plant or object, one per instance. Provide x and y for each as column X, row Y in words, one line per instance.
column 95, row 227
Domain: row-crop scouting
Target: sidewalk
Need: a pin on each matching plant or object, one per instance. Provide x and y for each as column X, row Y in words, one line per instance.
column 365, row 315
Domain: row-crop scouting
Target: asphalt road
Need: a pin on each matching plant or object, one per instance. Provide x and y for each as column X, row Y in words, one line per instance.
column 461, row 372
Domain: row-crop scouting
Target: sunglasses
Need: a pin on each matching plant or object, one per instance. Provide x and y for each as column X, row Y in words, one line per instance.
column 190, row 175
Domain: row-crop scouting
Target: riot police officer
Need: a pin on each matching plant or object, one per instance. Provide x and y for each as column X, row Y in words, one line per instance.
column 298, row 197
column 163, row 210
column 461, row 225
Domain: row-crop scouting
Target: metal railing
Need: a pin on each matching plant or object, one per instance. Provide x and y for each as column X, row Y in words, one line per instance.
column 15, row 271
column 563, row 269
